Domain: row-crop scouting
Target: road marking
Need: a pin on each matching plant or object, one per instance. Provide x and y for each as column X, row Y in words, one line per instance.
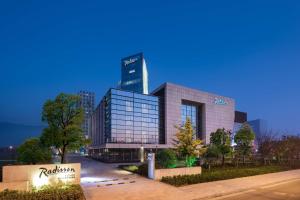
column 277, row 184
column 235, row 194
column 280, row 193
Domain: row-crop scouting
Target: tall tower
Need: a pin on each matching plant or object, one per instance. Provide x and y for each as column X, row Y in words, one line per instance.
column 87, row 102
column 134, row 74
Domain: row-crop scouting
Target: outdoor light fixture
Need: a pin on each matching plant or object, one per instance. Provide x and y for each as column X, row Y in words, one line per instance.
column 38, row 181
column 142, row 154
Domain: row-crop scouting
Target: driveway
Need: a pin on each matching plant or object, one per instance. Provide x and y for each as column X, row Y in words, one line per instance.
column 95, row 172
column 105, row 181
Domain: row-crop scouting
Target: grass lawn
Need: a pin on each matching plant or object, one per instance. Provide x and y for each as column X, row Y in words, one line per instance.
column 216, row 174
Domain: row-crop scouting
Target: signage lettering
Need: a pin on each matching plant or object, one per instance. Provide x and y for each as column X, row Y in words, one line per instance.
column 57, row 170
column 131, row 60
column 219, row 101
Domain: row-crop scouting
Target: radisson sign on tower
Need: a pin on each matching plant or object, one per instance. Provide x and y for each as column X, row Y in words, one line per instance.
column 134, row 74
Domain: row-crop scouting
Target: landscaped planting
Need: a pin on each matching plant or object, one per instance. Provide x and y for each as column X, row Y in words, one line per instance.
column 69, row 192
column 138, row 169
column 221, row 174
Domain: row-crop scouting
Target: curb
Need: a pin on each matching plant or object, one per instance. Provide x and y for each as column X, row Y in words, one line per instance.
column 245, row 189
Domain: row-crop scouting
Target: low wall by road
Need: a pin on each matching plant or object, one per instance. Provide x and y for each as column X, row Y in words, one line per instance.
column 159, row 173
column 40, row 175
column 20, row 185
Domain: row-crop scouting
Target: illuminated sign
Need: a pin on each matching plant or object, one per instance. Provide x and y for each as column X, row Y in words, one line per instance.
column 220, row 101
column 40, row 175
column 130, row 61
column 131, row 71
column 67, row 172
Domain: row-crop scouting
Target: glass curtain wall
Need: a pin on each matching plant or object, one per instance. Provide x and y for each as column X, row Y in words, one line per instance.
column 189, row 111
column 131, row 118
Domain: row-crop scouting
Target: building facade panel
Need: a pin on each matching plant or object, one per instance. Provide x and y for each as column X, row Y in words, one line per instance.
column 87, row 103
column 214, row 111
column 96, row 125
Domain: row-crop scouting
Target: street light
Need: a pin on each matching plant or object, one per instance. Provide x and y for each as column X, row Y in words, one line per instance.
column 11, row 153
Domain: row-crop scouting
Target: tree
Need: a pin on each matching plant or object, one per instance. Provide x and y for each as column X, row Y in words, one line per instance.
column 244, row 141
column 290, row 148
column 167, row 158
column 32, row 152
column 186, row 144
column 267, row 144
column 221, row 140
column 64, row 120
column 212, row 153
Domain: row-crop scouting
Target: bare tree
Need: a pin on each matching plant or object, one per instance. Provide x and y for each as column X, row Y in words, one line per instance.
column 267, row 143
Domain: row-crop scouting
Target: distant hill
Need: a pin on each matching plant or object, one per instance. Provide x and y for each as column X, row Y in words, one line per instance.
column 15, row 134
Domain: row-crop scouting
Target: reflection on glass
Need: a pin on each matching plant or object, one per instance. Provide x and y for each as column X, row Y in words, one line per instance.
column 189, row 111
column 131, row 118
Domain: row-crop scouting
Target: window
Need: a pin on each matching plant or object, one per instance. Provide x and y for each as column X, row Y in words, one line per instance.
column 189, row 111
column 129, row 106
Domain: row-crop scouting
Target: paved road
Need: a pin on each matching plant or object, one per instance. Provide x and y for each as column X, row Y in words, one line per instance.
column 281, row 191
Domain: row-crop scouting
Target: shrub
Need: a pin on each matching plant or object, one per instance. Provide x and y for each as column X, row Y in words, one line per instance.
column 138, row 169
column 143, row 170
column 167, row 158
column 68, row 192
column 131, row 168
column 220, row 174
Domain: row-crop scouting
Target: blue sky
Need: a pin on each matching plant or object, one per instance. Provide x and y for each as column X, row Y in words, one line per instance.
column 248, row 50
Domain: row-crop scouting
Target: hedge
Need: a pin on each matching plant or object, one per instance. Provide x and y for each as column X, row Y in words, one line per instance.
column 69, row 192
column 220, row 174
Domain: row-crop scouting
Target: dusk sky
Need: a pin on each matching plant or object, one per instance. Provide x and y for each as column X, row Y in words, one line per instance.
column 247, row 50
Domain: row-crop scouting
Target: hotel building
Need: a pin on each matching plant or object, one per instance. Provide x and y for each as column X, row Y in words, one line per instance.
column 127, row 123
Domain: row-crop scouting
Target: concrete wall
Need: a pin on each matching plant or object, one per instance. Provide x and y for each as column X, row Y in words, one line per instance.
column 20, row 185
column 35, row 175
column 159, row 173
column 214, row 115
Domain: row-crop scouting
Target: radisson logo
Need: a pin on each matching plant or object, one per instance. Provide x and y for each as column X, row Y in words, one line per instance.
column 219, row 101
column 57, row 170
column 129, row 61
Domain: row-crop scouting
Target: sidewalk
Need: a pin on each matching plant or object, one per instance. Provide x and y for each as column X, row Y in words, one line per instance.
column 220, row 188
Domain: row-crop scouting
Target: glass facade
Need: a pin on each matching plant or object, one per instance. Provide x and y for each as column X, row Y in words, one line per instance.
column 87, row 103
column 134, row 74
column 131, row 118
column 189, row 111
